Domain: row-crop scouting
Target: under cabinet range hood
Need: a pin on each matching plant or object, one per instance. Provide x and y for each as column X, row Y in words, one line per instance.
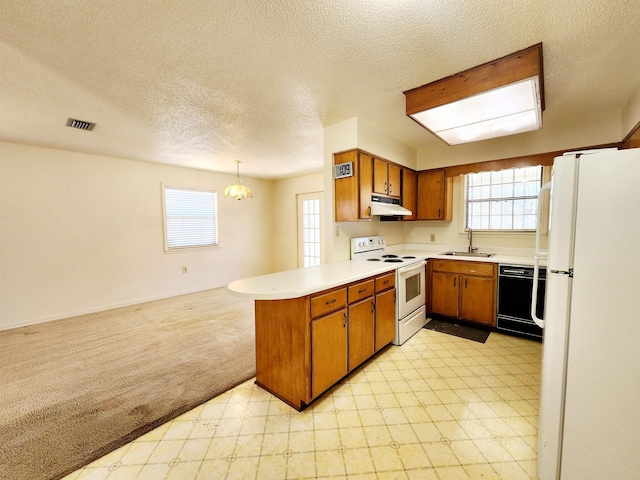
column 386, row 207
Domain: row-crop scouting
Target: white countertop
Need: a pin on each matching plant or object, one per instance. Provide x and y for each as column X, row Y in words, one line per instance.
column 306, row 281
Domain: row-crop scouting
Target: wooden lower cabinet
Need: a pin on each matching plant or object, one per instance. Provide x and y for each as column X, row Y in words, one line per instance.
column 329, row 351
column 385, row 318
column 477, row 300
column 305, row 345
column 361, row 332
column 464, row 290
column 445, row 294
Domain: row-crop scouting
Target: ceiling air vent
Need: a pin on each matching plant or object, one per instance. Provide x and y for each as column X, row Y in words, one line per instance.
column 81, row 124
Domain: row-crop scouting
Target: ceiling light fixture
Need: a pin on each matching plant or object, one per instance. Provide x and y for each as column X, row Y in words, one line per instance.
column 499, row 98
column 238, row 190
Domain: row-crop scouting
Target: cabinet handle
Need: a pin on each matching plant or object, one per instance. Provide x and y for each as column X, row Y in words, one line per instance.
column 363, row 290
column 438, row 213
column 373, row 306
column 386, row 282
column 466, row 282
column 390, row 188
column 344, row 315
column 331, row 301
column 369, row 211
column 386, row 187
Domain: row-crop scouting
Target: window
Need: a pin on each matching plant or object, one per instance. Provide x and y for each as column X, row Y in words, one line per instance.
column 503, row 200
column 309, row 228
column 190, row 218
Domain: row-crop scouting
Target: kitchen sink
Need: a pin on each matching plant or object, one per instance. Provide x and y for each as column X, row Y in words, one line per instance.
column 468, row 254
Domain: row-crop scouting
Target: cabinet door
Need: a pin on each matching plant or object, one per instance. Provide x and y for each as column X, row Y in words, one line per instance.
column 379, row 176
column 365, row 163
column 328, row 351
column 393, row 180
column 346, row 189
column 444, row 294
column 409, row 193
column 361, row 332
column 385, row 318
column 431, row 195
column 477, row 299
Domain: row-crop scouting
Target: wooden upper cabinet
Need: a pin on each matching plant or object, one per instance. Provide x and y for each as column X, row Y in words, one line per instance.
column 365, row 178
column 371, row 175
column 379, row 176
column 434, row 195
column 346, row 189
column 393, row 179
column 410, row 193
column 386, row 178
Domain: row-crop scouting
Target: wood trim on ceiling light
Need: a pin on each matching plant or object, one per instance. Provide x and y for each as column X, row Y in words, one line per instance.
column 511, row 68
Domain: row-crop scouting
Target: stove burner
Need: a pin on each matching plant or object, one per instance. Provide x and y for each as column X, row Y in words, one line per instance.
column 409, row 256
column 389, row 255
column 373, row 259
column 393, row 260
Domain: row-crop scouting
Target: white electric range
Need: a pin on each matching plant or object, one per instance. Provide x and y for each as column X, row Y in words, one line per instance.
column 410, row 282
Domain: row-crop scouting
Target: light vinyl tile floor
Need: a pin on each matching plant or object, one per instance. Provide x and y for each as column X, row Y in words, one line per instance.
column 438, row 407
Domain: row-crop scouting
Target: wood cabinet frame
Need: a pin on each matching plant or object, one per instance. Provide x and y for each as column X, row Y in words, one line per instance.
column 464, row 290
column 287, row 358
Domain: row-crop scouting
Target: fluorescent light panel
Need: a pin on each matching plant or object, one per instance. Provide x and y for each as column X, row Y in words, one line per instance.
column 514, row 108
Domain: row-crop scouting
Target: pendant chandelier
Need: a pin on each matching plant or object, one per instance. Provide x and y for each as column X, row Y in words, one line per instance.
column 238, row 190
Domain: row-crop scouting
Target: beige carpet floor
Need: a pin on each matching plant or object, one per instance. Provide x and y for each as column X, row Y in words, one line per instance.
column 72, row 390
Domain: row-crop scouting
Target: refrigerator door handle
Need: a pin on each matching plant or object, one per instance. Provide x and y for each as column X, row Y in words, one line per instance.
column 538, row 254
column 534, row 292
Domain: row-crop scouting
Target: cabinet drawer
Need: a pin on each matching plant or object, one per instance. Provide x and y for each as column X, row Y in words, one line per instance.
column 460, row 266
column 360, row 290
column 328, row 302
column 385, row 281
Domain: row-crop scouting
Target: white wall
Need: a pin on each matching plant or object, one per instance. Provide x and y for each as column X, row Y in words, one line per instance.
column 631, row 114
column 354, row 133
column 286, row 216
column 600, row 129
column 451, row 235
column 82, row 233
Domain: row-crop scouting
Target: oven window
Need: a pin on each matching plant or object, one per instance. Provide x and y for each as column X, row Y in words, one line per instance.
column 412, row 287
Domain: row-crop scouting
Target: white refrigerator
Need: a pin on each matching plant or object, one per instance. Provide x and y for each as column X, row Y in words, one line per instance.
column 589, row 424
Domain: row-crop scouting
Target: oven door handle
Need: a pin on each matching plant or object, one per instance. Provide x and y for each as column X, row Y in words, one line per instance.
column 412, row 267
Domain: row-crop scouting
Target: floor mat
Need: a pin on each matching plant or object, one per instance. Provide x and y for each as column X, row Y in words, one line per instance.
column 462, row 331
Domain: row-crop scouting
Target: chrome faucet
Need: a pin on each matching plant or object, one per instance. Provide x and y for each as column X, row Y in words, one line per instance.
column 470, row 237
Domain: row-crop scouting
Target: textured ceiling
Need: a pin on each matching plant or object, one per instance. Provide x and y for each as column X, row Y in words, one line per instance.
column 202, row 83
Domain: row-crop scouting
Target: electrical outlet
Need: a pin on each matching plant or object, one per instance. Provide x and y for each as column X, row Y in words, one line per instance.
column 432, row 237
column 185, row 270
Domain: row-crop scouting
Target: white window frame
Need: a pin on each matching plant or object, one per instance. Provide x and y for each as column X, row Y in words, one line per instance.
column 209, row 220
column 466, row 203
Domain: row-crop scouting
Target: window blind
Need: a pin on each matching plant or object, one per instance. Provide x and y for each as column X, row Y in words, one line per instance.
column 191, row 218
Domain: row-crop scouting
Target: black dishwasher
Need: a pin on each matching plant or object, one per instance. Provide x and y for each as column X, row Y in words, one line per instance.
column 515, row 284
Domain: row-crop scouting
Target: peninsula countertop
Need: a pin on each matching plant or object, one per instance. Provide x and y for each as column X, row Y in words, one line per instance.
column 306, row 281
